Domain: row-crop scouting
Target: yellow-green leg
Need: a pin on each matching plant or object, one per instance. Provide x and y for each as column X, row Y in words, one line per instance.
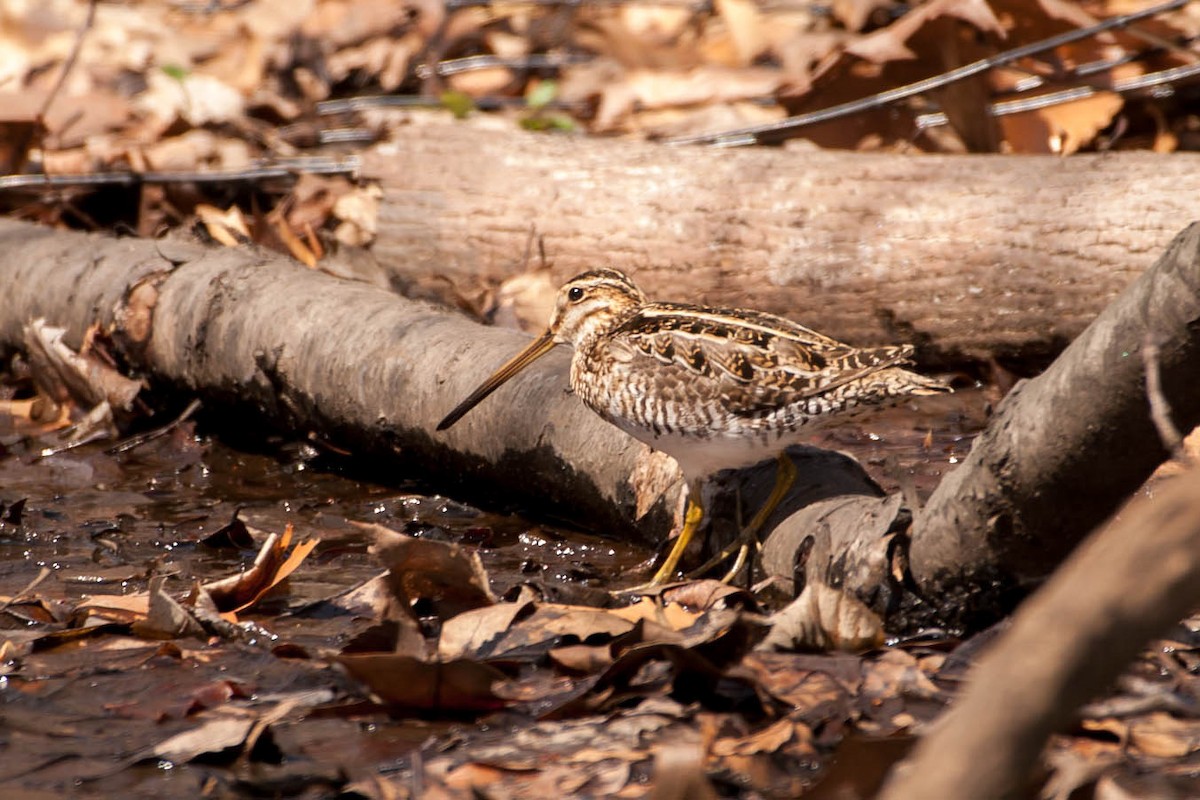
column 691, row 523
column 785, row 476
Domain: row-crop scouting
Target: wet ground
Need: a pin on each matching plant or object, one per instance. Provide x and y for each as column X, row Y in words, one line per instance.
column 89, row 717
column 101, row 520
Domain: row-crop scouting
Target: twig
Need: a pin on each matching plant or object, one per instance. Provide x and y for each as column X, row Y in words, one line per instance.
column 149, row 436
column 69, row 64
column 749, row 136
column 1160, row 409
column 41, row 576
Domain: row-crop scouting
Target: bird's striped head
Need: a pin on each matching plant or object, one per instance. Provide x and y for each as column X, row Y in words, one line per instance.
column 591, row 303
column 588, row 305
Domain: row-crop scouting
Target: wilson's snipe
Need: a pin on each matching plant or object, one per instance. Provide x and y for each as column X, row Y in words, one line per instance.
column 712, row 388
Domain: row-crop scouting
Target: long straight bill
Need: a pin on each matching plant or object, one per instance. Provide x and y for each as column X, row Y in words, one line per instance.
column 536, row 349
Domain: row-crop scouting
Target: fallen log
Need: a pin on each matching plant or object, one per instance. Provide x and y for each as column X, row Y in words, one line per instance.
column 967, row 256
column 1125, row 585
column 367, row 371
column 1063, row 449
column 351, row 364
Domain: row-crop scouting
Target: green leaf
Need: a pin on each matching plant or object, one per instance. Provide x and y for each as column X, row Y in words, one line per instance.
column 459, row 104
column 542, row 94
column 175, row 71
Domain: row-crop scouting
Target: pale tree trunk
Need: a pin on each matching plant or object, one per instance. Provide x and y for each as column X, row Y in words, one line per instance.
column 966, row 256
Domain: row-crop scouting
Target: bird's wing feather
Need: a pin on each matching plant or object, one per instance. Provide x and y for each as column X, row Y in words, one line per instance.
column 758, row 361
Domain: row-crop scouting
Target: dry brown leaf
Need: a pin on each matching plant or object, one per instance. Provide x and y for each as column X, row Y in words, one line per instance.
column 412, row 683
column 197, row 99
column 272, row 565
column 826, row 618
column 811, row 692
column 708, row 84
column 482, row 82
column 671, row 615
column 639, row 35
column 526, row 301
column 227, row 227
column 61, row 374
column 582, row 658
column 897, row 673
column 1118, row 728
column 706, row 594
column 747, row 29
column 1061, row 129
column 358, row 210
column 1161, row 735
column 854, row 14
column 448, row 576
column 772, row 739
column 296, row 246
column 890, row 44
column 550, row 623
column 468, row 634
column 166, row 618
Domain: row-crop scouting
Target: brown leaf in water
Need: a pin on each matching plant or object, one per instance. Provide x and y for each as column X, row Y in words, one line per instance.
column 785, row 733
column 415, row 684
column 233, row 535
column 679, row 773
column 471, row 634
column 224, row 731
column 273, row 564
column 448, row 576
column 166, row 618
column 819, row 688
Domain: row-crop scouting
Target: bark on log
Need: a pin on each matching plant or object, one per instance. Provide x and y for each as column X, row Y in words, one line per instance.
column 371, row 372
column 362, row 367
column 967, row 256
column 1063, row 449
column 1127, row 584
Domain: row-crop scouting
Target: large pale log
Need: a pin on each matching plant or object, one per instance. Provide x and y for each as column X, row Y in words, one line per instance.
column 969, row 256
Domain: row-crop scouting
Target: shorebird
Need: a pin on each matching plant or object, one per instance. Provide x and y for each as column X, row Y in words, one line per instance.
column 714, row 388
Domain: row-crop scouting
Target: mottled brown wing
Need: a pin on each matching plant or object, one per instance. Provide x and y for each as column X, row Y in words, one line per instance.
column 756, row 361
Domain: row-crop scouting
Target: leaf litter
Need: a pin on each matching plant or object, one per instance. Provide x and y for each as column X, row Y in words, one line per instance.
column 231, row 620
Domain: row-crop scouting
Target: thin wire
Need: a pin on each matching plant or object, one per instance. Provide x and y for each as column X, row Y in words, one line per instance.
column 318, row 165
column 748, row 136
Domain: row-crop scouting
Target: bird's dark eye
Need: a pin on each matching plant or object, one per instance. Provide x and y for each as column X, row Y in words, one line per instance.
column 575, row 294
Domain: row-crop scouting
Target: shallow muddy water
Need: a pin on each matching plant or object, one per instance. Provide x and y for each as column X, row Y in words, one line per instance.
column 103, row 522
